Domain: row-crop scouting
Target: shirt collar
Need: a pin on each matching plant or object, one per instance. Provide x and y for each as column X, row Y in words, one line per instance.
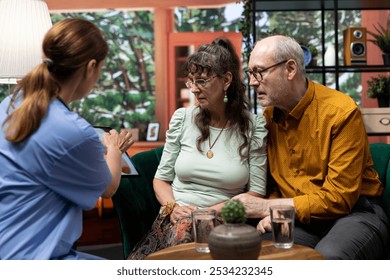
column 302, row 105
column 62, row 101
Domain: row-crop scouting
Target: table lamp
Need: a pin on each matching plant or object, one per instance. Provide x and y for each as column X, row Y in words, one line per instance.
column 23, row 24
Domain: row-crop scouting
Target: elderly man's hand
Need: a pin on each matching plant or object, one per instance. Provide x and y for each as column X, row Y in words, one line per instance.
column 255, row 207
column 264, row 225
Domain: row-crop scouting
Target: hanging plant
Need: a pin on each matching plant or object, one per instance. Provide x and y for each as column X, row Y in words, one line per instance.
column 381, row 36
column 246, row 27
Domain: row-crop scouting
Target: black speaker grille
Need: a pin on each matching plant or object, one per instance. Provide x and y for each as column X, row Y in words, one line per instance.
column 358, row 48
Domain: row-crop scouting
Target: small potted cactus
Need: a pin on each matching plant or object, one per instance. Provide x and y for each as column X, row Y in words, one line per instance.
column 234, row 240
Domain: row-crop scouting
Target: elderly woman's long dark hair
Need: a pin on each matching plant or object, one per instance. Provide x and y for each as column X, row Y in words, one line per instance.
column 218, row 58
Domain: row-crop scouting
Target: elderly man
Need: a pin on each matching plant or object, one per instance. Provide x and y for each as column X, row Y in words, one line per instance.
column 319, row 158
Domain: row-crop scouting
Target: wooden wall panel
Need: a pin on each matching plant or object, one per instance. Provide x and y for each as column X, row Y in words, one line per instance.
column 131, row 4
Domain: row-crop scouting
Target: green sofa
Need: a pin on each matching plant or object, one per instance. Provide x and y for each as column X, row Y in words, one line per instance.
column 381, row 156
column 137, row 206
column 135, row 202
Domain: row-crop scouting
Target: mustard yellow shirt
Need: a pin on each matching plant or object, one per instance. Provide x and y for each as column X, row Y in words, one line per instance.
column 319, row 154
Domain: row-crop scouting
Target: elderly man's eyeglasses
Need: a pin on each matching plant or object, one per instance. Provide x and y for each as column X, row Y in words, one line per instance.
column 199, row 83
column 259, row 74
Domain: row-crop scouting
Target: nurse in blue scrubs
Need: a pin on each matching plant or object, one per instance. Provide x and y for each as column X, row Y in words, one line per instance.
column 52, row 163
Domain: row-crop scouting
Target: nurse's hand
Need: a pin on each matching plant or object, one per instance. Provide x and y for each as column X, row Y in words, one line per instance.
column 122, row 140
column 125, row 140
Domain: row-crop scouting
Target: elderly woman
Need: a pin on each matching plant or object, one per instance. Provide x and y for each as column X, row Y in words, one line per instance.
column 214, row 150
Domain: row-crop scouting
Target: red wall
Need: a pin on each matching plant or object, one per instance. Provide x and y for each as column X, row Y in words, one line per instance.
column 374, row 57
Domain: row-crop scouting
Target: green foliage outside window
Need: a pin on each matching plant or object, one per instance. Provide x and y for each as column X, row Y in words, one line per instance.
column 124, row 96
column 198, row 20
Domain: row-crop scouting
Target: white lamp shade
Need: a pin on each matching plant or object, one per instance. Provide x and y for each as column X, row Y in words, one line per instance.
column 23, row 24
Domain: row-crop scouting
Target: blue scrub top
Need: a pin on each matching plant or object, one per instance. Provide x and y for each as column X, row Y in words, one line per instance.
column 46, row 182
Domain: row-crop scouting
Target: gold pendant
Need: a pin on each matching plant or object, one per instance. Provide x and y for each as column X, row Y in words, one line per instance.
column 209, row 154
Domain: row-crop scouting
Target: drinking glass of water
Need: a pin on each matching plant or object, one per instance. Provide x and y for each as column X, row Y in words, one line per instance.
column 282, row 219
column 203, row 222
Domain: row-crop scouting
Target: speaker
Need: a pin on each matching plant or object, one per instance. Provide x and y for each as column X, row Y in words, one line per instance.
column 355, row 46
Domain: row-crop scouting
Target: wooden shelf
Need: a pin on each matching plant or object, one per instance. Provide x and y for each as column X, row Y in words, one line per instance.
column 314, row 5
column 142, row 146
column 348, row 69
column 377, row 121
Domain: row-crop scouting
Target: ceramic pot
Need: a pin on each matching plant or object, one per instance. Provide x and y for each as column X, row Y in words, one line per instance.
column 234, row 242
column 383, row 101
column 330, row 56
column 386, row 59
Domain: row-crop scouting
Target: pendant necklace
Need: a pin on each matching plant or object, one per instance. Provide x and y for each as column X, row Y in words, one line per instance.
column 210, row 153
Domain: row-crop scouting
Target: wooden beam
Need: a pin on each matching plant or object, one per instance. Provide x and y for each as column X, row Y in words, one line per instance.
column 82, row 5
column 163, row 25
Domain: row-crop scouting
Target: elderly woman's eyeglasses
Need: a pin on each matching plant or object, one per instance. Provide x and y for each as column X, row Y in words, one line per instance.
column 259, row 74
column 199, row 83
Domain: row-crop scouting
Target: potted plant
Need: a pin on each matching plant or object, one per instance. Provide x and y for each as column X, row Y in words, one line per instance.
column 305, row 44
column 382, row 40
column 379, row 88
column 234, row 240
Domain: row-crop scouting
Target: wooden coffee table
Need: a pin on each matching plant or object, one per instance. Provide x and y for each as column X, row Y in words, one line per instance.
column 268, row 252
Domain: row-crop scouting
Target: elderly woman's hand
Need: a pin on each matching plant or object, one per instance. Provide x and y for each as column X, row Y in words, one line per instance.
column 181, row 211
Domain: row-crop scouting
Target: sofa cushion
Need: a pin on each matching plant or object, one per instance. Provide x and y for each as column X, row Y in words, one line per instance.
column 386, row 193
column 381, row 156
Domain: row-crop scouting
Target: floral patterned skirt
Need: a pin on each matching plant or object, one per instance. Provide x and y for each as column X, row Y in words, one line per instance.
column 163, row 234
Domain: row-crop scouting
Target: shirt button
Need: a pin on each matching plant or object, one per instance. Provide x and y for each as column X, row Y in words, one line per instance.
column 292, row 151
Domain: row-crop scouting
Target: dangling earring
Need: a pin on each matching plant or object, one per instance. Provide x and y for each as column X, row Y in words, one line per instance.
column 225, row 98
